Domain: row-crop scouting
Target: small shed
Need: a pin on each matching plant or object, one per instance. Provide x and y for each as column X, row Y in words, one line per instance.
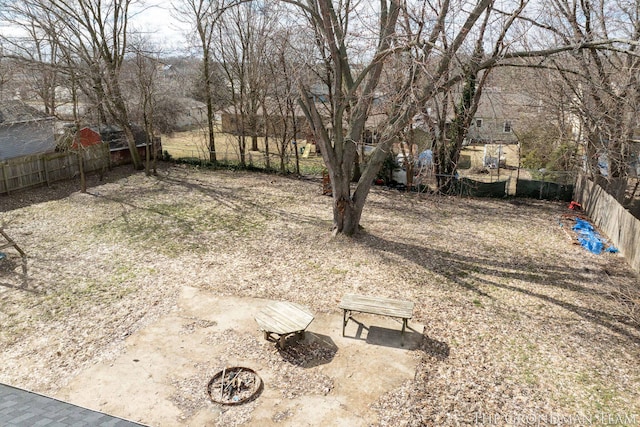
column 118, row 146
column 87, row 137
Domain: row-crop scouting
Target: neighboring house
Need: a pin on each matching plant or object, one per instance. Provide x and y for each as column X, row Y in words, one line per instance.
column 24, row 130
column 189, row 114
column 498, row 115
column 172, row 74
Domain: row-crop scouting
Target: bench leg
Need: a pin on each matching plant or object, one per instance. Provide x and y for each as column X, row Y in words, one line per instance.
column 404, row 325
column 345, row 319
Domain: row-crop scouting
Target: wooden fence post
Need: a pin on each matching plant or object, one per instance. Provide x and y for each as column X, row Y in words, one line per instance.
column 107, row 152
column 6, row 179
column 46, row 170
column 83, row 180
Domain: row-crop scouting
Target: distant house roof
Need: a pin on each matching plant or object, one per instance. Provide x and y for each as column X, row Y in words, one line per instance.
column 499, row 104
column 188, row 103
column 14, row 111
column 24, row 131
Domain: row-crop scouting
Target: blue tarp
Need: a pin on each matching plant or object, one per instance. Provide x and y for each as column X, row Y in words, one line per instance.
column 426, row 158
column 589, row 238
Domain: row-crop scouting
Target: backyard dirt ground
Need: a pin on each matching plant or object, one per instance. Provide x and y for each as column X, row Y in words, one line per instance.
column 140, row 290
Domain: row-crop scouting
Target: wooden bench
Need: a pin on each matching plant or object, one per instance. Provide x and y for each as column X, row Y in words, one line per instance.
column 283, row 318
column 375, row 305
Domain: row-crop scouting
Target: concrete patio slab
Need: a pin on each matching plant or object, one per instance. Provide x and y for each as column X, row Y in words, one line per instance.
column 160, row 378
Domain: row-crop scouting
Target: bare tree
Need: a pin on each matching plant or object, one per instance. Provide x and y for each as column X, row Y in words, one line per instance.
column 600, row 77
column 243, row 34
column 204, row 15
column 35, row 52
column 6, row 71
column 448, row 144
column 92, row 37
column 282, row 94
column 352, row 88
column 446, row 43
column 144, row 81
column 547, row 134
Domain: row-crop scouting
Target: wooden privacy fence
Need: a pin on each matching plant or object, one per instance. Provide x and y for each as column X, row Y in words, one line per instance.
column 23, row 172
column 614, row 220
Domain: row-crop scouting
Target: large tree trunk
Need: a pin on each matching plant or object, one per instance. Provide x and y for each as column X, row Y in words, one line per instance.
column 345, row 214
column 122, row 119
column 131, row 141
column 348, row 202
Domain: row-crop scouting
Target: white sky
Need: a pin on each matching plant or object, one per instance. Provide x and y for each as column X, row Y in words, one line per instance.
column 156, row 19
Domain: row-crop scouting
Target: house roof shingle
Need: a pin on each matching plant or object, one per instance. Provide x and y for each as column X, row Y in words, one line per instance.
column 14, row 111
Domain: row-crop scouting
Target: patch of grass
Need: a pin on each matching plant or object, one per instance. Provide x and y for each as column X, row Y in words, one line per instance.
column 175, row 228
column 530, row 376
column 362, row 263
column 77, row 297
column 339, row 271
column 602, row 395
column 312, row 265
column 197, row 219
column 474, row 268
column 314, row 167
column 526, row 358
column 13, row 325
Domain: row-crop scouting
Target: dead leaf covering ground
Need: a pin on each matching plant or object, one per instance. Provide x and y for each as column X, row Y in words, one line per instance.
column 518, row 319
